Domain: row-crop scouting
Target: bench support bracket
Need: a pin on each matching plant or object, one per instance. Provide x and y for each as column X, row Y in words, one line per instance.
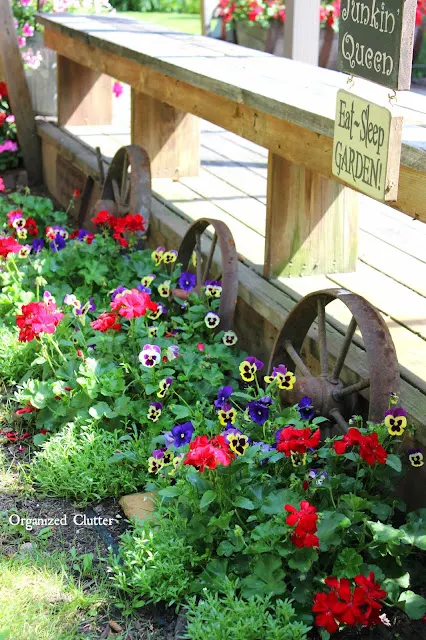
column 84, row 96
column 311, row 224
column 170, row 137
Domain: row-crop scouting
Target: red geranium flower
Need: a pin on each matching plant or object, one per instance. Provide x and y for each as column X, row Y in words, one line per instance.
column 8, row 245
column 369, row 448
column 306, row 524
column 31, row 227
column 133, row 304
column 134, row 222
column 27, row 409
column 3, row 116
column 297, row 440
column 328, row 607
column 208, row 453
column 103, row 217
column 105, row 321
column 3, row 90
column 121, row 241
column 37, row 318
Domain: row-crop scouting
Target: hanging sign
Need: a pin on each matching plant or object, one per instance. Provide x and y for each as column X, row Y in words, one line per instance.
column 367, row 147
column 376, row 40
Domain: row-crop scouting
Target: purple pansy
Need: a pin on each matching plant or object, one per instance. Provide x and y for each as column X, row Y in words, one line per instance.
column 182, row 434
column 305, row 408
column 150, row 355
column 37, row 244
column 169, row 439
column 82, row 233
column 258, row 411
column 144, row 289
column 117, row 291
column 58, row 243
column 252, row 360
column 158, row 454
column 230, row 431
column 222, row 396
column 187, row 281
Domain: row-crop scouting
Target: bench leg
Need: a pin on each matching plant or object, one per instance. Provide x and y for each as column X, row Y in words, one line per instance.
column 170, row 137
column 311, row 222
column 84, row 96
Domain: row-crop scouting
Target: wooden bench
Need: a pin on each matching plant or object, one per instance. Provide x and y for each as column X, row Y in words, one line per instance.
column 285, row 106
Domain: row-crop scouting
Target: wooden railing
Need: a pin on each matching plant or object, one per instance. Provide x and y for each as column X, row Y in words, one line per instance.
column 285, row 106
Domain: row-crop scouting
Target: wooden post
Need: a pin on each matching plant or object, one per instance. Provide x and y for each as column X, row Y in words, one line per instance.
column 311, row 223
column 207, row 8
column 170, row 137
column 84, row 96
column 302, row 30
column 19, row 95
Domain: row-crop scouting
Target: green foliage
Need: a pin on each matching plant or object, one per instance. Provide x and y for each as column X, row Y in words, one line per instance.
column 156, row 563
column 166, row 6
column 249, row 619
column 74, row 464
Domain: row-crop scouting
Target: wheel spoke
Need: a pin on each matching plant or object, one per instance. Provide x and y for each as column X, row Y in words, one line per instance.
column 210, row 258
column 322, row 337
column 344, row 350
column 199, row 259
column 125, row 182
column 296, row 358
column 364, row 383
column 337, row 416
column 116, row 190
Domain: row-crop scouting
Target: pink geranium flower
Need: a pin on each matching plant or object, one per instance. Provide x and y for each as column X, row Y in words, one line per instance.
column 2, row 185
column 28, row 30
column 117, row 89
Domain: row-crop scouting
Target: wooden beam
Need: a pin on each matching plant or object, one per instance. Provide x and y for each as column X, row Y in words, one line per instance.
column 311, row 222
column 302, row 30
column 170, row 137
column 19, row 95
column 84, row 95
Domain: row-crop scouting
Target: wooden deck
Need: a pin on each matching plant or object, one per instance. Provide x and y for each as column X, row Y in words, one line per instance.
column 391, row 269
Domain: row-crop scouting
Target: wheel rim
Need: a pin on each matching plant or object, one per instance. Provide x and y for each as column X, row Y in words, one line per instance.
column 192, row 242
column 129, row 192
column 336, row 400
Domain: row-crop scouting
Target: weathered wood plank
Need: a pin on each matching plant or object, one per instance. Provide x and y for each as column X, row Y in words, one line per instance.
column 20, row 99
column 84, row 95
column 311, row 222
column 170, row 137
column 242, row 111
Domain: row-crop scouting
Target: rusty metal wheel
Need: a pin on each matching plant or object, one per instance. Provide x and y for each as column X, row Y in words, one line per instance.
column 331, row 397
column 228, row 272
column 127, row 187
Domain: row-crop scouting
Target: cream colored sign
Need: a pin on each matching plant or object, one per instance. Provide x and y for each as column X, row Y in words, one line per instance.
column 367, row 147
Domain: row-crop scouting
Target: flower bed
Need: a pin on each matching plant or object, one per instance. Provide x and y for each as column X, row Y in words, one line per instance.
column 262, row 527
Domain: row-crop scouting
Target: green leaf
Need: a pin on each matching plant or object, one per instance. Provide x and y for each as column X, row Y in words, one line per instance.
column 169, row 492
column 384, row 532
column 413, row 604
column 394, row 462
column 414, row 532
column 180, row 411
column 244, row 503
column 225, row 548
column 329, row 526
column 101, row 409
column 276, row 500
column 207, row 498
column 348, row 564
column 38, row 439
column 302, row 559
column 151, row 388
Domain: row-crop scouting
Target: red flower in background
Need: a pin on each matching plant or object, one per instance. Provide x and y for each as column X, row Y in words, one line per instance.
column 106, row 321
column 3, row 116
column 306, row 524
column 3, row 90
column 133, row 304
column 8, row 245
column 37, row 318
column 103, row 217
column 295, row 440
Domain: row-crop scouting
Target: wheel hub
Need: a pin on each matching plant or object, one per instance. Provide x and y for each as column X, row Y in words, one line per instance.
column 322, row 391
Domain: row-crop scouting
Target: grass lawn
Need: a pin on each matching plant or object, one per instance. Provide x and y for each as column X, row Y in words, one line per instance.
column 187, row 22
